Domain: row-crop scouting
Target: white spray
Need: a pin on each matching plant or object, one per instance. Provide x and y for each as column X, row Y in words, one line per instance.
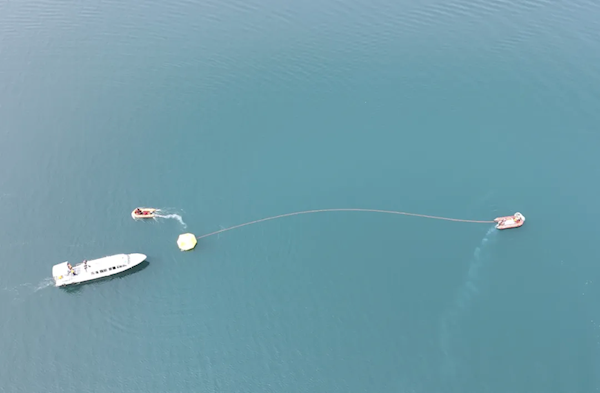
column 170, row 216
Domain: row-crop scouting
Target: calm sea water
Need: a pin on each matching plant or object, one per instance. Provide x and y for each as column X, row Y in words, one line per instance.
column 227, row 112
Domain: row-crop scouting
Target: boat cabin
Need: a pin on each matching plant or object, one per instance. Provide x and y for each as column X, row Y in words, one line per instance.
column 100, row 271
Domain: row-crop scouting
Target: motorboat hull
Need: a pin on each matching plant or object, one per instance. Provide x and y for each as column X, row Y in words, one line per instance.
column 94, row 269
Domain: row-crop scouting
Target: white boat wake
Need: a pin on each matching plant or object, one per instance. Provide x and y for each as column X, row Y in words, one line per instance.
column 45, row 283
column 21, row 291
column 172, row 216
column 462, row 302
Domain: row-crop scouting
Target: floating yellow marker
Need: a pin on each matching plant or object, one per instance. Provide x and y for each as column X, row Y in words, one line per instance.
column 187, row 241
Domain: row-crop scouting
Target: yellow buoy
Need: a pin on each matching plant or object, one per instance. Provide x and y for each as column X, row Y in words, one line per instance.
column 186, row 241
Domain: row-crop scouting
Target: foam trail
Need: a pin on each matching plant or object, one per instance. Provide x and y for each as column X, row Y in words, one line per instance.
column 462, row 302
column 45, row 283
column 20, row 292
column 172, row 216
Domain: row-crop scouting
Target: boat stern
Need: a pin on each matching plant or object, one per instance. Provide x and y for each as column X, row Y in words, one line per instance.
column 136, row 258
column 60, row 274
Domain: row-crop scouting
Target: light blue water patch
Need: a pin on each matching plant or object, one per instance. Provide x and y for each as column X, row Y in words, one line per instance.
column 463, row 300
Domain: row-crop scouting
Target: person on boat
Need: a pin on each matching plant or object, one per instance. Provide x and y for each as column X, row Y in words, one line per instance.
column 516, row 218
column 138, row 211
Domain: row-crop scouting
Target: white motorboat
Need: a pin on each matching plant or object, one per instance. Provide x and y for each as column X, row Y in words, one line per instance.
column 66, row 274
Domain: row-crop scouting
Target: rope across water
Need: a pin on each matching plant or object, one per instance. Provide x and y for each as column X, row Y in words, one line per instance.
column 342, row 210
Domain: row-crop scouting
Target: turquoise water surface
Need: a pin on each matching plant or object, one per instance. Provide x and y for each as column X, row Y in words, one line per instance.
column 227, row 112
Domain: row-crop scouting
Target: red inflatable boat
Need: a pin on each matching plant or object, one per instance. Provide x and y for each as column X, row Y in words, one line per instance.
column 509, row 222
